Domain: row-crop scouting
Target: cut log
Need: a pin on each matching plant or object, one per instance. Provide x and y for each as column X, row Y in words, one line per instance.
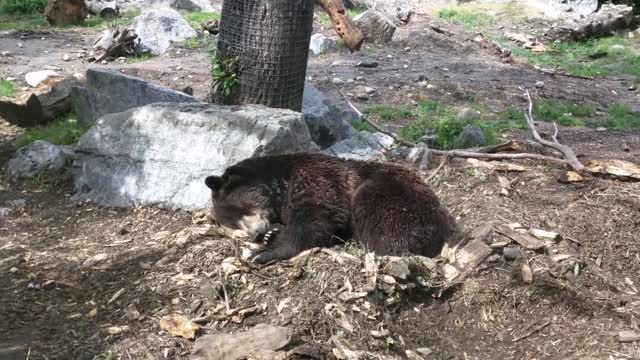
column 524, row 240
column 241, row 344
column 61, row 12
column 346, row 29
column 42, row 108
column 104, row 9
column 375, row 26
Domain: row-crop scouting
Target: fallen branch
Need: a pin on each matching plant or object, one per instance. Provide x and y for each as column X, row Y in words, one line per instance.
column 444, row 161
column 533, row 331
column 344, row 26
column 115, row 43
column 570, row 157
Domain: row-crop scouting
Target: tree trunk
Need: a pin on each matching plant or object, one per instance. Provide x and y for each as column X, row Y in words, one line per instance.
column 265, row 45
column 350, row 34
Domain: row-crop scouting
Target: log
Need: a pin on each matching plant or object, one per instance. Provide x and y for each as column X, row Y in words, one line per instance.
column 42, row 108
column 376, row 27
column 104, row 9
column 346, row 29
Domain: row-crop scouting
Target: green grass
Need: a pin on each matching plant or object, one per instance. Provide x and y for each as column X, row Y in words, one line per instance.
column 36, row 21
column 7, row 88
column 445, row 124
column 196, row 19
column 139, row 58
column 63, row 131
column 620, row 116
column 470, row 19
column 363, row 126
column 387, row 112
column 20, row 7
column 613, row 55
column 22, row 22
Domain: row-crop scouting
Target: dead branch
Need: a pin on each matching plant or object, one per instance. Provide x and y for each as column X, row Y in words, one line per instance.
column 344, row 26
column 532, row 331
column 570, row 157
column 115, row 43
column 445, row 158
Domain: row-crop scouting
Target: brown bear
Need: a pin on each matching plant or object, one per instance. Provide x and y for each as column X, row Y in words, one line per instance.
column 320, row 199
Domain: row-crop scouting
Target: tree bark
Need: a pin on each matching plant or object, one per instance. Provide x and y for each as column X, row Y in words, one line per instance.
column 350, row 34
column 268, row 43
column 104, row 9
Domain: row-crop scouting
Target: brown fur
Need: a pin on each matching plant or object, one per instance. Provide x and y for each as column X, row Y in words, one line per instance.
column 387, row 208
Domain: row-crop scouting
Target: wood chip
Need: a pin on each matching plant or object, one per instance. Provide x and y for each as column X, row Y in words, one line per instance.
column 629, row 336
column 239, row 345
column 116, row 296
column 179, row 325
column 545, row 235
column 527, row 274
column 524, row 240
column 624, row 170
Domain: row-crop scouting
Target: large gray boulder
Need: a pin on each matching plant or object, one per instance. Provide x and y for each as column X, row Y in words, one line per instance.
column 327, row 123
column 109, row 91
column 364, row 146
column 376, row 27
column 192, row 5
column 160, row 154
column 471, row 136
column 606, row 21
column 36, row 158
column 159, row 27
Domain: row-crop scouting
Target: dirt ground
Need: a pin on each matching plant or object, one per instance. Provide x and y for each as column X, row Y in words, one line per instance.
column 53, row 307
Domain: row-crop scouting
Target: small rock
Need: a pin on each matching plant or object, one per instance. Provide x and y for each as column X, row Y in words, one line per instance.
column 337, row 81
column 420, row 156
column 617, row 47
column 320, row 44
column 471, row 136
column 429, row 86
column 96, row 259
column 512, row 252
column 35, row 78
column 33, row 159
column 407, row 49
column 423, row 84
column 20, row 45
column 469, row 115
column 104, row 62
column 115, row 330
column 369, row 90
column 6, row 53
column 632, row 88
column 93, row 313
column 389, row 56
column 179, row 325
column 539, row 84
column 601, row 129
column 398, row 269
column 362, row 96
column 626, row 148
column 65, row 57
column 229, row 267
column 367, row 64
column 360, row 78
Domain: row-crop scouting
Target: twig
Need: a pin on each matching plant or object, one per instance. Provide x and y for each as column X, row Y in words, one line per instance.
column 224, row 289
column 476, row 155
column 29, row 353
column 533, row 331
column 570, row 157
column 437, row 170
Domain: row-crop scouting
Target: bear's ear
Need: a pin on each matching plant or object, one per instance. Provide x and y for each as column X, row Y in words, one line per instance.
column 214, row 183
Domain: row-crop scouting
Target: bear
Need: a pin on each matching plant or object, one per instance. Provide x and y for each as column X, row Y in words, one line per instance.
column 316, row 200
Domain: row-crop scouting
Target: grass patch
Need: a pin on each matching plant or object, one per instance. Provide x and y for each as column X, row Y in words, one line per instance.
column 363, row 126
column 470, row 19
column 386, row 112
column 22, row 22
column 612, row 55
column 198, row 18
column 7, row 88
column 64, row 131
column 139, row 58
column 622, row 117
column 20, row 7
column 35, row 21
column 445, row 125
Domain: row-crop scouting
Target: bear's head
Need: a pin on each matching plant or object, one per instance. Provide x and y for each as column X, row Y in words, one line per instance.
column 242, row 200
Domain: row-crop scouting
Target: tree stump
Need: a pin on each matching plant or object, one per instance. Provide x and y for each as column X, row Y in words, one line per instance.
column 265, row 46
column 61, row 12
column 375, row 26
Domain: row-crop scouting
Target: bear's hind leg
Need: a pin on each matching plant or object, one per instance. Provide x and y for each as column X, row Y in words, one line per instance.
column 397, row 215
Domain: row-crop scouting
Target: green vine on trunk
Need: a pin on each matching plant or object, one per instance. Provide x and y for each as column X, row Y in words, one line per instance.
column 224, row 74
